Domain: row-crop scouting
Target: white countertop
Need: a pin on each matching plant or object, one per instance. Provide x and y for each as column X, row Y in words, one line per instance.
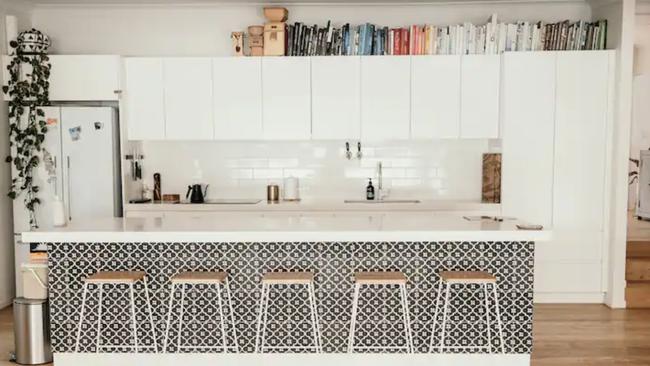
column 328, row 205
column 243, row 227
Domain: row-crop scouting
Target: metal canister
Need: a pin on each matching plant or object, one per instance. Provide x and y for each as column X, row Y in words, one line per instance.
column 273, row 193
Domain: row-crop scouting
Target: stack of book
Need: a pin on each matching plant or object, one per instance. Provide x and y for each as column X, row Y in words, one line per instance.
column 467, row 38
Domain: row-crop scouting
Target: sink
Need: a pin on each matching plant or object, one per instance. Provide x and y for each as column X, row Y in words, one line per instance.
column 233, row 201
column 382, row 201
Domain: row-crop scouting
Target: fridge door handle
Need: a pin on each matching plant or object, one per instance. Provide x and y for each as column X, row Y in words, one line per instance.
column 69, row 195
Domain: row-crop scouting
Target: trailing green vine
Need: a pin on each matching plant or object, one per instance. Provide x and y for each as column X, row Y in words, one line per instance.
column 27, row 126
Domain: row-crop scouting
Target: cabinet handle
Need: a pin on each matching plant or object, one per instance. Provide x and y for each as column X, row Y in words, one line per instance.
column 117, row 91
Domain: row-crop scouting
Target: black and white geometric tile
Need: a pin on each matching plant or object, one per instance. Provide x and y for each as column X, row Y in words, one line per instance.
column 380, row 317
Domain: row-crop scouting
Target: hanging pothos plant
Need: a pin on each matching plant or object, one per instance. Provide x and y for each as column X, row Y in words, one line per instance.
column 28, row 90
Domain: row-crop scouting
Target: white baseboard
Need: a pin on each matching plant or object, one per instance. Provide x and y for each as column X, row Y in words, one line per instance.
column 569, row 298
column 293, row 359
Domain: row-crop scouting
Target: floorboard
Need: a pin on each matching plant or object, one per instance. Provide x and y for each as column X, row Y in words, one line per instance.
column 563, row 335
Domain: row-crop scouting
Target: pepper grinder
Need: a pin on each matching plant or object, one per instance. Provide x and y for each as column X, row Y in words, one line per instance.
column 157, row 192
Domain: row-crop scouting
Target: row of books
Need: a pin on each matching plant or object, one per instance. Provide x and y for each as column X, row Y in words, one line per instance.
column 490, row 38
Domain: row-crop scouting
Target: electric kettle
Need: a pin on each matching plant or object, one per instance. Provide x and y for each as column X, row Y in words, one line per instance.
column 196, row 194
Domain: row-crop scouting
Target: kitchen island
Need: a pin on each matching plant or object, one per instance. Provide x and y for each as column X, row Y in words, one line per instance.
column 332, row 246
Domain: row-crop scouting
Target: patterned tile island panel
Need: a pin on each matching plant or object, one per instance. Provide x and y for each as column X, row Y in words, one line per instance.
column 379, row 320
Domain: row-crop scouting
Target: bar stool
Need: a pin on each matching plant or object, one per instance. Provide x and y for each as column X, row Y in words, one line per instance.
column 447, row 279
column 382, row 279
column 271, row 279
column 116, row 278
column 183, row 279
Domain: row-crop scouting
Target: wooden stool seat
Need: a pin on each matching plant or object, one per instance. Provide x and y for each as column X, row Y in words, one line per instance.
column 116, row 277
column 467, row 277
column 288, row 278
column 380, row 278
column 200, row 277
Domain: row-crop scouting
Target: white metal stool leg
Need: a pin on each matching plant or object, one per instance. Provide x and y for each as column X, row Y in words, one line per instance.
column 81, row 316
column 435, row 317
column 265, row 316
column 498, row 314
column 487, row 317
column 153, row 328
column 180, row 317
column 353, row 320
column 135, row 325
column 260, row 316
column 444, row 317
column 222, row 320
column 314, row 317
column 407, row 318
column 232, row 316
column 99, row 318
column 169, row 316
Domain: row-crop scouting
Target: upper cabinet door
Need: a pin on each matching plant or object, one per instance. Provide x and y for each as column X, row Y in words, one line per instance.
column 479, row 101
column 581, row 139
column 335, row 97
column 286, row 98
column 385, row 97
column 188, row 99
column 143, row 99
column 237, row 100
column 84, row 77
column 435, row 97
column 528, row 124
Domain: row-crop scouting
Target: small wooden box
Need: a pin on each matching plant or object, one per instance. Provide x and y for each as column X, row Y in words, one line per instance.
column 276, row 14
column 274, row 34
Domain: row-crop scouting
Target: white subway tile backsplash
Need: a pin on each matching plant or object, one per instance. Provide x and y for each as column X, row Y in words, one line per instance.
column 298, row 173
column 283, row 163
column 267, row 173
column 445, row 169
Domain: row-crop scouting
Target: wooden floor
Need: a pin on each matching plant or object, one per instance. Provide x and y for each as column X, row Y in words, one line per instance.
column 563, row 335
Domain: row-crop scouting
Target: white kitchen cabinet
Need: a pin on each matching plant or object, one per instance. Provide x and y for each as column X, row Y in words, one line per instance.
column 580, row 140
column 188, row 98
column 143, row 98
column 237, row 98
column 84, row 77
column 79, row 77
column 286, row 98
column 435, row 96
column 335, row 97
column 528, row 124
column 385, row 97
column 479, row 97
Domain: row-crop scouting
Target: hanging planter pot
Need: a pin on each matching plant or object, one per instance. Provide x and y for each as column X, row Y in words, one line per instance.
column 33, row 41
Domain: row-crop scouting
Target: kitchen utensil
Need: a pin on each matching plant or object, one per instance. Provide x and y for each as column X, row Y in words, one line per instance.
column 272, row 193
column 171, row 198
column 529, row 227
column 156, row 187
column 348, row 153
column 196, row 194
column 291, row 189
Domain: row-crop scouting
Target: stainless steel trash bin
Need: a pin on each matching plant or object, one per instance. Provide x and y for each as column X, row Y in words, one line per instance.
column 32, row 331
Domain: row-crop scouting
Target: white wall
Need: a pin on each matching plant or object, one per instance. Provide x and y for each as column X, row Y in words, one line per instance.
column 640, row 135
column 6, row 212
column 620, row 36
column 205, row 29
column 441, row 170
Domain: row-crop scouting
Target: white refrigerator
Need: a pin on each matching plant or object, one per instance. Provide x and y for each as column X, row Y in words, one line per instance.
column 80, row 165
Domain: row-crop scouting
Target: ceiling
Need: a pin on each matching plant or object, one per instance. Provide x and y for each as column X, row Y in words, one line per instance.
column 258, row 2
